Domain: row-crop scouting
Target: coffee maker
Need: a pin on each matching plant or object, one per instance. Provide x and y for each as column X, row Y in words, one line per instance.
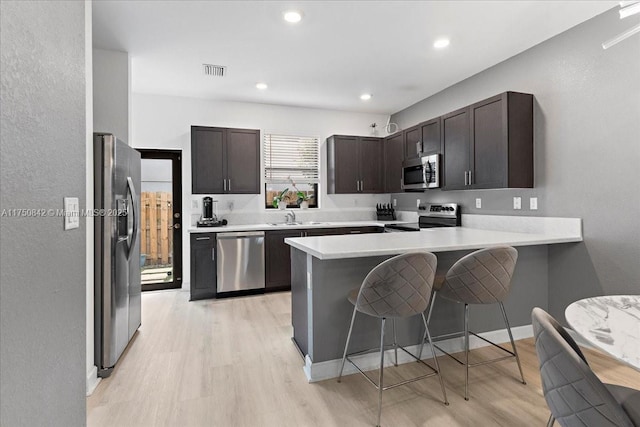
column 209, row 216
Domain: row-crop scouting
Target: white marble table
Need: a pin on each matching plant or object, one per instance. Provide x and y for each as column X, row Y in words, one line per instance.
column 610, row 323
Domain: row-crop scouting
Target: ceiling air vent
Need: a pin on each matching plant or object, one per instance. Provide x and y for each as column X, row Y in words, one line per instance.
column 214, row 70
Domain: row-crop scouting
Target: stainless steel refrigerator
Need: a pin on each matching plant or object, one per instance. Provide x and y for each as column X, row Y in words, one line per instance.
column 117, row 249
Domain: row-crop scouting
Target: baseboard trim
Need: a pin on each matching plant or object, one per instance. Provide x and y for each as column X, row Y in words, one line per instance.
column 92, row 380
column 320, row 371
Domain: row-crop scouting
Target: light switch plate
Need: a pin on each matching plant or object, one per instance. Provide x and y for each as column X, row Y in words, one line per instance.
column 478, row 203
column 71, row 213
column 533, row 203
column 195, row 204
column 517, row 203
column 395, row 202
column 418, row 203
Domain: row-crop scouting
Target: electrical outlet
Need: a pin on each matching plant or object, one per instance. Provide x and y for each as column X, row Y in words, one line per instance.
column 195, row 204
column 395, row 202
column 71, row 213
column 533, row 203
column 418, row 203
column 517, row 203
column 478, row 203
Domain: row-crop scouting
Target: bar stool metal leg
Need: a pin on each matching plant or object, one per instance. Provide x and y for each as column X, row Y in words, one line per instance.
column 346, row 345
column 424, row 338
column 466, row 352
column 551, row 421
column 380, row 383
column 395, row 342
column 435, row 359
column 433, row 300
column 513, row 344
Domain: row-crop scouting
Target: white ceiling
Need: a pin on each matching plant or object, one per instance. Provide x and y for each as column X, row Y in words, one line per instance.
column 340, row 50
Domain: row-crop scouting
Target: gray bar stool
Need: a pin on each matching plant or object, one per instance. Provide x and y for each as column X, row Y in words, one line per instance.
column 396, row 288
column 481, row 277
column 574, row 394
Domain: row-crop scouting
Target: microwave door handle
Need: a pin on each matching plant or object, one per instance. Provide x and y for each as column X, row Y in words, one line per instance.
column 426, row 173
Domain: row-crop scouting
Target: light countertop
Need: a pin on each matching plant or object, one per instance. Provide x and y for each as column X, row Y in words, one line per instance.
column 432, row 240
column 281, row 226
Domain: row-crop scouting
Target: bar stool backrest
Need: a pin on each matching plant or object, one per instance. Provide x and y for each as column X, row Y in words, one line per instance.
column 574, row 394
column 481, row 277
column 398, row 287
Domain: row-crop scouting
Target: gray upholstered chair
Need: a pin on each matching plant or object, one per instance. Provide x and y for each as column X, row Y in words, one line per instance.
column 481, row 277
column 574, row 394
column 396, row 288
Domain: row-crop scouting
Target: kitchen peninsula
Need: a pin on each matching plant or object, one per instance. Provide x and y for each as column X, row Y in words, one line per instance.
column 324, row 269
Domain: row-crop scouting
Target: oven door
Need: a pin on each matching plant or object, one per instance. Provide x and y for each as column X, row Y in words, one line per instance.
column 413, row 175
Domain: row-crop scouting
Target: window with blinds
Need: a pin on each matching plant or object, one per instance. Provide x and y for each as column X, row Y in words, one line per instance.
column 291, row 170
column 291, row 157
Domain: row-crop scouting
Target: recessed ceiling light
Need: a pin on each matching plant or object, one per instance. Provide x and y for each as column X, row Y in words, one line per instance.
column 261, row 86
column 365, row 96
column 293, row 16
column 441, row 43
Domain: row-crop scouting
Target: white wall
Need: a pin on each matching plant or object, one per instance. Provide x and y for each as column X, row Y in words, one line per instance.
column 165, row 122
column 42, row 160
column 112, row 93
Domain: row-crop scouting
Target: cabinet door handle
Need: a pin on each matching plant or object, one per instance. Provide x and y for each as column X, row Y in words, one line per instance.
column 470, row 181
column 229, row 185
column 361, row 186
column 213, row 254
column 466, row 173
column 202, row 238
column 224, row 184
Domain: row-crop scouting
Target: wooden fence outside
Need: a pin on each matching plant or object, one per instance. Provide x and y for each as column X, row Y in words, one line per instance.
column 156, row 240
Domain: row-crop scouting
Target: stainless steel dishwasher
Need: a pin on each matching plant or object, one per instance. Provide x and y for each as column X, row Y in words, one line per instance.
column 240, row 261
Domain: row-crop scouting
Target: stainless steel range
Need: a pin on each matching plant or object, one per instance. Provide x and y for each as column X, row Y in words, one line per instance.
column 430, row 215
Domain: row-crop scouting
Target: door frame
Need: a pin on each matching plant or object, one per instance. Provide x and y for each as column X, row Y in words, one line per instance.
column 176, row 182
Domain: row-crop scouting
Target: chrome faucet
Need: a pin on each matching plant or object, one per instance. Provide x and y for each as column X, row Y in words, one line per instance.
column 290, row 217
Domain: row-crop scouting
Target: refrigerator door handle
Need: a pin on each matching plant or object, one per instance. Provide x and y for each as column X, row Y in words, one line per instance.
column 134, row 202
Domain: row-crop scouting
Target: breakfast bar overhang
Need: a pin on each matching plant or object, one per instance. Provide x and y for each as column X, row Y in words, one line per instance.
column 324, row 269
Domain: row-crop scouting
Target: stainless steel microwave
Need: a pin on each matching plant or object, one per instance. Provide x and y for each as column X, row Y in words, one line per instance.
column 421, row 173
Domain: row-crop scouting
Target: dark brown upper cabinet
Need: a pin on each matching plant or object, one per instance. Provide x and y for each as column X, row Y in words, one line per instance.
column 411, row 137
column 430, row 134
column 225, row 161
column 456, row 149
column 422, row 138
column 393, row 157
column 496, row 148
column 354, row 164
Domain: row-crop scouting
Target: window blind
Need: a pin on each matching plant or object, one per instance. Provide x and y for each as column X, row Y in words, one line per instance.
column 287, row 156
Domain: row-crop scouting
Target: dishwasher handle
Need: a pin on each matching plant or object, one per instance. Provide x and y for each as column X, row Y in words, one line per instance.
column 240, row 234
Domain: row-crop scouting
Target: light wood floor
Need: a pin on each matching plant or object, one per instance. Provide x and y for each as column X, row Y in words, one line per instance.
column 231, row 363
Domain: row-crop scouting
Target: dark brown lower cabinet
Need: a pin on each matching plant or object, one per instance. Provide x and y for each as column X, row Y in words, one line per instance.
column 278, row 259
column 278, row 253
column 363, row 230
column 203, row 266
